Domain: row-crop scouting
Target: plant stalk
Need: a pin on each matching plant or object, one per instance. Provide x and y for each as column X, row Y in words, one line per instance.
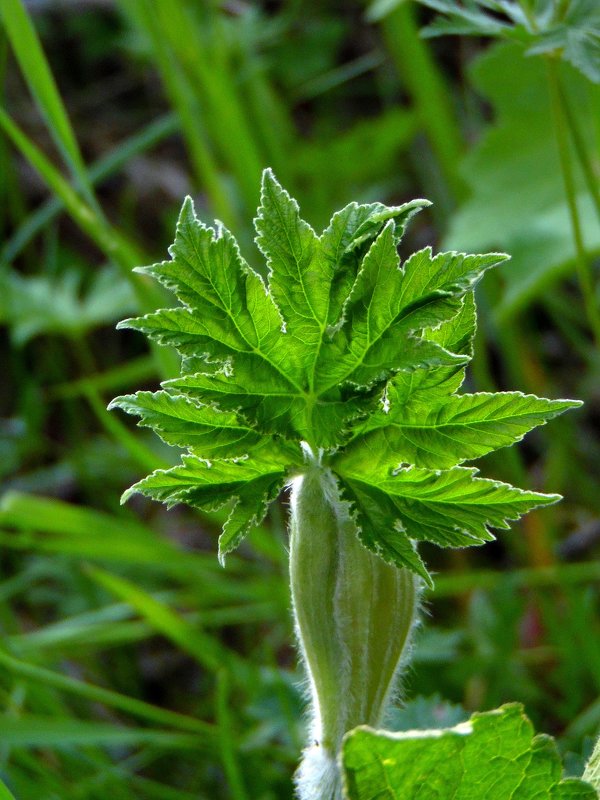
column 591, row 774
column 586, row 278
column 353, row 613
column 587, row 167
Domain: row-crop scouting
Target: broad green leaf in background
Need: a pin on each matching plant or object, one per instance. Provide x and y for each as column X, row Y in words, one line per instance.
column 569, row 30
column 576, row 37
column 32, row 306
column 493, row 755
column 343, row 351
column 517, row 197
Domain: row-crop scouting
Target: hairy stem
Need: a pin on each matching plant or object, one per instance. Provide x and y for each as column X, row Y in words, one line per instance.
column 353, row 615
column 591, row 774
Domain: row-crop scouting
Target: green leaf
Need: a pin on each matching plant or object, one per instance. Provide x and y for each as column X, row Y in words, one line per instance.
column 455, row 335
column 570, row 30
column 226, row 311
column 441, row 435
column 474, row 19
column 181, row 421
column 37, row 305
column 387, row 305
column 376, row 519
column 346, row 239
column 4, row 792
column 576, row 38
column 247, row 485
column 451, row 508
column 533, row 223
column 344, row 353
column 495, row 755
column 298, row 286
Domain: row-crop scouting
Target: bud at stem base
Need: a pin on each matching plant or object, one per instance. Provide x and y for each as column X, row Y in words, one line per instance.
column 353, row 615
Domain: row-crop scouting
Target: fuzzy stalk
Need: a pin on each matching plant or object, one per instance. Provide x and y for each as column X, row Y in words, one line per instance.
column 353, row 615
column 591, row 774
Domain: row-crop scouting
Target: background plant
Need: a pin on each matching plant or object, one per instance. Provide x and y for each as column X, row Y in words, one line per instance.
column 84, row 614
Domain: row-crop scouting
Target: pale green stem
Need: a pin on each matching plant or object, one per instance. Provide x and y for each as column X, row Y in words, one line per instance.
column 353, row 614
column 591, row 773
column 589, row 174
column 586, row 278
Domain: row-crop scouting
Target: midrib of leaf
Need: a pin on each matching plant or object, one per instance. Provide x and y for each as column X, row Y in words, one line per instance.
column 257, row 351
column 452, row 422
column 373, row 341
column 186, row 381
column 420, row 492
column 433, row 422
column 369, row 325
column 322, row 326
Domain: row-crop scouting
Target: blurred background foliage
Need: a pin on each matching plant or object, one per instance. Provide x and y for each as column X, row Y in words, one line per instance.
column 131, row 664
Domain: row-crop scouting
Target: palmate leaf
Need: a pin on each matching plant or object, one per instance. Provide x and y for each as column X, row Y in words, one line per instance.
column 343, row 352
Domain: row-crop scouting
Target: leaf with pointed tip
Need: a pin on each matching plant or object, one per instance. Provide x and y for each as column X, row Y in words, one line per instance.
column 430, row 384
column 388, row 305
column 179, row 420
column 299, row 279
column 227, row 310
column 451, row 508
column 460, row 428
column 376, row 520
column 349, row 235
column 248, row 486
column 344, row 349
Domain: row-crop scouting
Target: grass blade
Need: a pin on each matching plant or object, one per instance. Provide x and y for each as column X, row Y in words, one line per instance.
column 206, row 650
column 37, row 73
column 37, row 731
column 114, row 246
column 4, row 793
column 103, row 168
column 226, row 740
column 108, row 697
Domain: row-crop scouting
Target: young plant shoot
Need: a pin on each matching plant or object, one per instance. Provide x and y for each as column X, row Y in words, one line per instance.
column 337, row 376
